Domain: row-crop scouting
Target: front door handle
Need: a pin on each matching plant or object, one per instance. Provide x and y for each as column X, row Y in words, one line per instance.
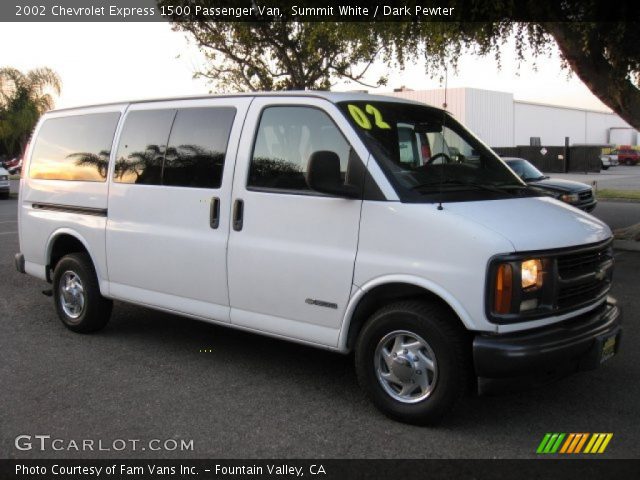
column 238, row 214
column 214, row 213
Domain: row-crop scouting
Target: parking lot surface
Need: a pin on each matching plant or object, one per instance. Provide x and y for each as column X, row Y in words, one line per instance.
column 147, row 376
column 622, row 177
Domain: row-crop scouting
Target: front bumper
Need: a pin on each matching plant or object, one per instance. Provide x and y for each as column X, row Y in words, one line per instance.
column 573, row 345
column 587, row 207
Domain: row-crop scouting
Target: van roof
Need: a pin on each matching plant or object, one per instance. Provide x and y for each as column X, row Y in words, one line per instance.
column 333, row 97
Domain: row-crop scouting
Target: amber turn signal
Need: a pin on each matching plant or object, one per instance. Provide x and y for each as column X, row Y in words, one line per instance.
column 503, row 290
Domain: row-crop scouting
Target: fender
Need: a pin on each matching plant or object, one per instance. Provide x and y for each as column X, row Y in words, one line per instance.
column 428, row 285
column 102, row 281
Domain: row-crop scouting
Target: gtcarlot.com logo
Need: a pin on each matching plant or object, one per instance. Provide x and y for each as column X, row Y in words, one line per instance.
column 45, row 443
column 573, row 443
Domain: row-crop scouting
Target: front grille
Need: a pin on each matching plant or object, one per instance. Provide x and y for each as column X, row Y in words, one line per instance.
column 582, row 293
column 584, row 276
column 585, row 196
column 573, row 264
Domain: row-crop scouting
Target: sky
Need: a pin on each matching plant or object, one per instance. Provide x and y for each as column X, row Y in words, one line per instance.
column 104, row 62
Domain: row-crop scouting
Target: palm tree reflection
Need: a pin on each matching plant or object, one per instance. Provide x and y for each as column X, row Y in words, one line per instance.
column 188, row 165
column 99, row 162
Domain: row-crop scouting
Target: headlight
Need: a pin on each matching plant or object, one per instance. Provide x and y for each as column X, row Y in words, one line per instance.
column 519, row 287
column 570, row 198
column 531, row 274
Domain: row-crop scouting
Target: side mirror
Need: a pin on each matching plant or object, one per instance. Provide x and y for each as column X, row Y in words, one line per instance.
column 323, row 175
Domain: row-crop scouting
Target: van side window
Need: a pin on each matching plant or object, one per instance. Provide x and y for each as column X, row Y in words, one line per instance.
column 76, row 147
column 142, row 147
column 197, row 147
column 286, row 138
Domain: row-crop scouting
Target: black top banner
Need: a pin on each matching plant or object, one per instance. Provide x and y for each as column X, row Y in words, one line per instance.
column 318, row 11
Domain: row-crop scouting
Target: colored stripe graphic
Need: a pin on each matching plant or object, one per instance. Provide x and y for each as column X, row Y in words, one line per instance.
column 567, row 443
column 543, row 443
column 603, row 447
column 581, row 443
column 550, row 443
column 573, row 443
column 598, row 442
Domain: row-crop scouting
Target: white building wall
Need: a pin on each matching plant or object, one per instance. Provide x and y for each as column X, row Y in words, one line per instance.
column 549, row 123
column 623, row 136
column 501, row 121
column 489, row 115
column 599, row 125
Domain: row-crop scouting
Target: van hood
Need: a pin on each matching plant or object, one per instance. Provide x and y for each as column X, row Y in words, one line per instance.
column 535, row 223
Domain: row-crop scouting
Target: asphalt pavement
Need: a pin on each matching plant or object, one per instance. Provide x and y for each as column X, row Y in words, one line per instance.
column 622, row 177
column 152, row 375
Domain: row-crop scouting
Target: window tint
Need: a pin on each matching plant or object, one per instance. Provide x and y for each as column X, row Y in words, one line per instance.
column 74, row 148
column 197, row 147
column 286, row 138
column 517, row 167
column 142, row 147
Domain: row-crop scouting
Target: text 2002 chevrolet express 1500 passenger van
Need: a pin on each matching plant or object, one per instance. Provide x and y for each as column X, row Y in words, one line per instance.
column 342, row 221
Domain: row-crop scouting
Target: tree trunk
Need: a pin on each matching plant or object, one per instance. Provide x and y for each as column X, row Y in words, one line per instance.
column 617, row 92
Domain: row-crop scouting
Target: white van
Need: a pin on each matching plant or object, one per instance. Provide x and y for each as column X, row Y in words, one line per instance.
column 349, row 222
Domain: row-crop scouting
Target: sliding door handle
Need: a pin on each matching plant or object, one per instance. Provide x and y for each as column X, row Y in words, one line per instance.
column 238, row 214
column 214, row 213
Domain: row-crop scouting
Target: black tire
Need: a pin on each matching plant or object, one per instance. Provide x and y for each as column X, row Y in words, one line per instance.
column 449, row 343
column 95, row 311
column 605, row 168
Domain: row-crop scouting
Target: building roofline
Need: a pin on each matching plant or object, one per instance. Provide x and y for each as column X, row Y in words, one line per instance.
column 564, row 107
column 515, row 100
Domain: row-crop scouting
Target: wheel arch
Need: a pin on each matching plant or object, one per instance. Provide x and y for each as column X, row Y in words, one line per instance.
column 379, row 292
column 63, row 242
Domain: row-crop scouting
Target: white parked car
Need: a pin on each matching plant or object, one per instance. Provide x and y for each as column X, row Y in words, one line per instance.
column 5, row 186
column 341, row 221
column 608, row 160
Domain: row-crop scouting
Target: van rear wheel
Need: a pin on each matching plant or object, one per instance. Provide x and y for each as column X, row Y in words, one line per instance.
column 77, row 297
column 413, row 361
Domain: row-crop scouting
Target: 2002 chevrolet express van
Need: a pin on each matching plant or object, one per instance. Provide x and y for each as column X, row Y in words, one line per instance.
column 342, row 221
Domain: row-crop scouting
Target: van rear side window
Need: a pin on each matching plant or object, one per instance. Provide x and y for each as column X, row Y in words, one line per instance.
column 197, row 147
column 142, row 146
column 74, row 148
column 180, row 148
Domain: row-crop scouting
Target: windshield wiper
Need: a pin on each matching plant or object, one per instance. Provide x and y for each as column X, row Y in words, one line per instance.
column 481, row 186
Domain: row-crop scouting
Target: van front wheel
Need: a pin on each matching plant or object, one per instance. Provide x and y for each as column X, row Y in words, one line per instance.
column 77, row 296
column 413, row 361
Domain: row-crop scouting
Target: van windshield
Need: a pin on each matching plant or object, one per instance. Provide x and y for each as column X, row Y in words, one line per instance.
column 426, row 153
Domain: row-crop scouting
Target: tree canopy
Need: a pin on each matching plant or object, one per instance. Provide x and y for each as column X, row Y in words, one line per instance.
column 24, row 97
column 603, row 53
column 598, row 41
column 282, row 55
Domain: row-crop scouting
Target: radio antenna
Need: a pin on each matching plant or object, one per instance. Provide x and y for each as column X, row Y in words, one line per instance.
column 444, row 120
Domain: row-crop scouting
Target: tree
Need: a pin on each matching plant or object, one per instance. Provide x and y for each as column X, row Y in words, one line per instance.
column 24, row 97
column 598, row 41
column 281, row 55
